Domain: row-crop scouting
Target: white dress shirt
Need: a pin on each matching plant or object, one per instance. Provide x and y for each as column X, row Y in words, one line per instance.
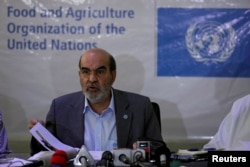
column 100, row 130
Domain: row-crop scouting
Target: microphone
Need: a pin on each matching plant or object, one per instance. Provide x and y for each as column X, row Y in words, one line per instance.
column 138, row 155
column 59, row 159
column 106, row 160
column 83, row 158
column 127, row 157
column 43, row 158
column 107, row 155
column 145, row 145
column 163, row 160
column 123, row 158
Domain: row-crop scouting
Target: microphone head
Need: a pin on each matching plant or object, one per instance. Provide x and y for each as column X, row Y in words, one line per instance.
column 59, row 158
column 83, row 156
column 123, row 158
column 107, row 155
column 138, row 155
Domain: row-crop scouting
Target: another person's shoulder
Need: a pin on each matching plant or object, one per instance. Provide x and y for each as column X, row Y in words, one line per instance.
column 241, row 105
column 3, row 139
column 1, row 120
column 245, row 98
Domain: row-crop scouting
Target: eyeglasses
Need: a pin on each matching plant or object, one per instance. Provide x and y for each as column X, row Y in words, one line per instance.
column 99, row 72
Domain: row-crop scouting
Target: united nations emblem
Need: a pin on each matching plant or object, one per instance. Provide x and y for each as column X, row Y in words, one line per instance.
column 210, row 42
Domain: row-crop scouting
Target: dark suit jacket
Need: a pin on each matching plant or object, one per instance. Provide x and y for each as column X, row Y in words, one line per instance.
column 135, row 118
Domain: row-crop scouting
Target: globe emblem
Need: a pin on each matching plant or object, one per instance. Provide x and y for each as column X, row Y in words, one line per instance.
column 210, row 41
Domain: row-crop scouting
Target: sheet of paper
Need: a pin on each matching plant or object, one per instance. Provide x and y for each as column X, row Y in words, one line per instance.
column 188, row 152
column 97, row 155
column 50, row 142
column 13, row 162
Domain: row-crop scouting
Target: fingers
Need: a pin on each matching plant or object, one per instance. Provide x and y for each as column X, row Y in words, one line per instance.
column 33, row 123
column 134, row 145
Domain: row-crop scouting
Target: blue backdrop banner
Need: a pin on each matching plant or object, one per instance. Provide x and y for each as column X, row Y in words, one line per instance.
column 208, row 42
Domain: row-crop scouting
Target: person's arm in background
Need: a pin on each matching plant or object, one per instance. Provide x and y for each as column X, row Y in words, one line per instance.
column 3, row 139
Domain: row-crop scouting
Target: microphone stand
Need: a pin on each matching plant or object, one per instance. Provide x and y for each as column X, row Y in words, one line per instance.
column 83, row 161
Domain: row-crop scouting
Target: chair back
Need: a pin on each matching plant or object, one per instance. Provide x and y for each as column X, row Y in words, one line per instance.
column 157, row 112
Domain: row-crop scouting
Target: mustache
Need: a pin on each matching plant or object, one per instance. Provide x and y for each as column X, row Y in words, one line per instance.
column 93, row 85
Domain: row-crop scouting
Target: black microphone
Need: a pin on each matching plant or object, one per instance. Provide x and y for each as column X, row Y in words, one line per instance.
column 106, row 160
column 123, row 158
column 107, row 155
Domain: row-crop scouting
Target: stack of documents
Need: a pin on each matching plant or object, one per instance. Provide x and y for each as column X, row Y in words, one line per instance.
column 187, row 155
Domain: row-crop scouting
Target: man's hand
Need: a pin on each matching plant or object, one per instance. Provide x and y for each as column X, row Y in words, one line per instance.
column 33, row 122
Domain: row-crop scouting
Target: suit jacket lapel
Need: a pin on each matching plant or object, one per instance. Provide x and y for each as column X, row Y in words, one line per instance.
column 78, row 106
column 123, row 118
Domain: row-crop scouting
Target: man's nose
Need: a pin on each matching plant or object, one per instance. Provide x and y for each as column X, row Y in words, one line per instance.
column 92, row 77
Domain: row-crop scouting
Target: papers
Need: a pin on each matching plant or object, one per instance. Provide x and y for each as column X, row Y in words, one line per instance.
column 196, row 152
column 43, row 154
column 12, row 162
column 191, row 152
column 50, row 142
column 189, row 155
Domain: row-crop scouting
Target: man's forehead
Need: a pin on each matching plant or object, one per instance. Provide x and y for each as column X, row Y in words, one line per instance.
column 96, row 54
column 93, row 61
column 91, row 53
column 97, row 51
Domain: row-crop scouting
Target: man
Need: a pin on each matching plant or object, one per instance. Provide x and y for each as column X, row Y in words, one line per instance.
column 233, row 132
column 100, row 117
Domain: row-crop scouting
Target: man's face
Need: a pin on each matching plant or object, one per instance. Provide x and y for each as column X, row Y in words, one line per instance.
column 95, row 76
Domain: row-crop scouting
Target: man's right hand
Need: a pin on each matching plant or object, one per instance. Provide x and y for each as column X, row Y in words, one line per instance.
column 33, row 122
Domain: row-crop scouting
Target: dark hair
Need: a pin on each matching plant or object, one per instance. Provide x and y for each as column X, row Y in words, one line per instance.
column 112, row 63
